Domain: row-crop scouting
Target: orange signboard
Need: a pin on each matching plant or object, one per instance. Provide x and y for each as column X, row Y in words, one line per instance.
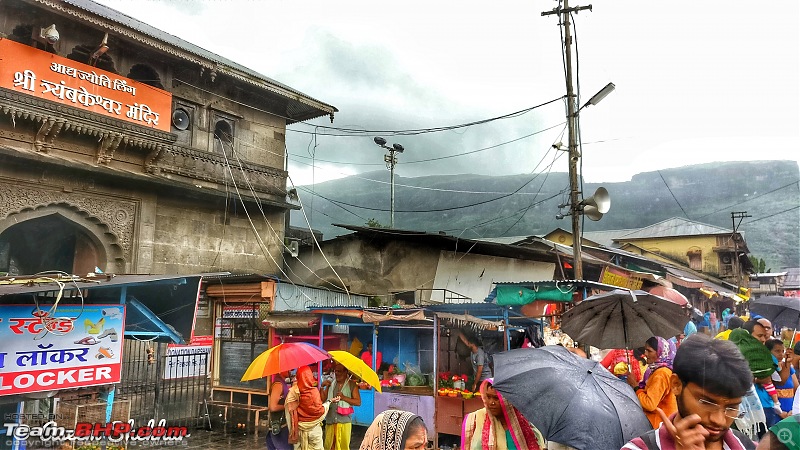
column 51, row 77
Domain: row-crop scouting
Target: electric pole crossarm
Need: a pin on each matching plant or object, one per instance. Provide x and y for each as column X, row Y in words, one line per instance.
column 566, row 10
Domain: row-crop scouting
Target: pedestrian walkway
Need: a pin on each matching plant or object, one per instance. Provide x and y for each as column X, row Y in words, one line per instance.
column 231, row 440
column 206, row 440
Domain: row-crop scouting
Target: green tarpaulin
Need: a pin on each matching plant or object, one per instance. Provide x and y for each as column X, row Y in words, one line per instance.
column 518, row 295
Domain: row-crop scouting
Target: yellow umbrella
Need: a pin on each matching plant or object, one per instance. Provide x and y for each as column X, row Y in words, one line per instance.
column 357, row 367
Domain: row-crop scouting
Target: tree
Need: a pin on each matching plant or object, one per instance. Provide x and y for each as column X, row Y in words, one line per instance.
column 759, row 264
column 373, row 223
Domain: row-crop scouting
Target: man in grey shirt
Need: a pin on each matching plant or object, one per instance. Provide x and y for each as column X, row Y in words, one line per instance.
column 480, row 362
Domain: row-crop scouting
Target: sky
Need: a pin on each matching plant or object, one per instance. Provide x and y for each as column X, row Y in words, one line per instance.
column 696, row 82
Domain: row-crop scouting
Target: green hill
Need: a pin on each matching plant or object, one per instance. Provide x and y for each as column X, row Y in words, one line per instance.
column 768, row 190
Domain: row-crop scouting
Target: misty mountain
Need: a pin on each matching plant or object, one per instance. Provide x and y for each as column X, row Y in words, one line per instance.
column 477, row 206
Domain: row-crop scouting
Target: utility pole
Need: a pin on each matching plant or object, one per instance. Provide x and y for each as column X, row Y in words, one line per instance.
column 572, row 125
column 736, row 272
column 391, row 160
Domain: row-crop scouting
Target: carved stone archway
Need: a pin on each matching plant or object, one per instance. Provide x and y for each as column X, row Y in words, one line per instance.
column 109, row 251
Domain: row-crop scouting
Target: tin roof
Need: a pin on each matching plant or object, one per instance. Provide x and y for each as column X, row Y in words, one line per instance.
column 176, row 46
column 792, row 280
column 454, row 243
column 673, row 227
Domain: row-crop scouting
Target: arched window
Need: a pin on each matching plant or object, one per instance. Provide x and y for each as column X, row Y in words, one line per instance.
column 145, row 74
column 82, row 53
column 223, row 137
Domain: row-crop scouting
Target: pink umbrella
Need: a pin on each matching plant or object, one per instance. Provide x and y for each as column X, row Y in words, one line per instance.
column 669, row 294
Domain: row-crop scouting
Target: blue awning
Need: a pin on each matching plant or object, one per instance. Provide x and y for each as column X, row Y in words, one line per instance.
column 158, row 307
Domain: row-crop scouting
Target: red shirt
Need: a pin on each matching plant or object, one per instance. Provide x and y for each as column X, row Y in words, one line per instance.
column 617, row 356
column 367, row 358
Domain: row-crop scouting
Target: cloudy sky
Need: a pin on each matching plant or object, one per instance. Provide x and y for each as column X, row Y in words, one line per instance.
column 696, row 82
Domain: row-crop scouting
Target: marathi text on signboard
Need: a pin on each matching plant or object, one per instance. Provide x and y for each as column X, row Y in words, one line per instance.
column 239, row 312
column 51, row 77
column 620, row 278
column 73, row 346
column 184, row 361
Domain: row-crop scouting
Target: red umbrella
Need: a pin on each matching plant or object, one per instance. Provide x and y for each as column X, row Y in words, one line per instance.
column 669, row 294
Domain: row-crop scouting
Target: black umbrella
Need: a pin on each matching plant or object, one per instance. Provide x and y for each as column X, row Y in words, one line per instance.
column 571, row 400
column 781, row 311
column 623, row 319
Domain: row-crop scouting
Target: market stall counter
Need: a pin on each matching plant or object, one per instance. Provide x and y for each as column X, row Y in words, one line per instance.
column 404, row 340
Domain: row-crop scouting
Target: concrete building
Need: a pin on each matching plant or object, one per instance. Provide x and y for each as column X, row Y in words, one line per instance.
column 414, row 267
column 128, row 149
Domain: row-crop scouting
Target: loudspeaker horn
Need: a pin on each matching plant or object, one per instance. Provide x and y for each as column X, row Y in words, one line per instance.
column 592, row 213
column 598, row 204
column 600, row 200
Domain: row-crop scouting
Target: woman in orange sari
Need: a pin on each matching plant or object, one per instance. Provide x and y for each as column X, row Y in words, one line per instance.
column 306, row 410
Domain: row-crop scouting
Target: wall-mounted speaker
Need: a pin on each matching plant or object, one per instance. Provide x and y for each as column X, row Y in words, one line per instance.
column 181, row 119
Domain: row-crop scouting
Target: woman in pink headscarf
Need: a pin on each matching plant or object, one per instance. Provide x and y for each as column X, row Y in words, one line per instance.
column 498, row 425
column 655, row 389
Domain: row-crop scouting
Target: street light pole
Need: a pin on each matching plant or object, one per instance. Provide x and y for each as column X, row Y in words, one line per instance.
column 574, row 156
column 572, row 125
column 391, row 161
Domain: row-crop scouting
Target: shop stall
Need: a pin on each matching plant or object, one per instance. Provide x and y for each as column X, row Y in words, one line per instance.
column 420, row 353
column 498, row 328
column 403, row 356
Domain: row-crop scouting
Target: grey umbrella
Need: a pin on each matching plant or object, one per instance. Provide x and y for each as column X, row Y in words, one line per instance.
column 781, row 311
column 623, row 319
column 571, row 400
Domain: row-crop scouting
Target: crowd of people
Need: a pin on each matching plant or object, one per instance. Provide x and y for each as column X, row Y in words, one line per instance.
column 726, row 392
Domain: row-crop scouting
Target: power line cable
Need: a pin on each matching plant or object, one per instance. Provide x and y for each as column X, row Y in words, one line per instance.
column 438, row 158
column 772, row 215
column 793, row 183
column 350, row 131
column 672, row 194
column 412, row 132
column 432, row 210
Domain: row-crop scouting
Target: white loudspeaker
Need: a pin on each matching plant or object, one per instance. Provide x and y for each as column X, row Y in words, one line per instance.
column 598, row 204
column 294, row 248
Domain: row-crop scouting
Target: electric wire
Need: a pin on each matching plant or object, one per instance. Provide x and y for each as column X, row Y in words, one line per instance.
column 352, row 131
column 793, row 183
column 771, row 215
column 274, row 233
column 672, row 194
column 439, row 158
column 369, row 208
column 410, row 186
column 556, row 156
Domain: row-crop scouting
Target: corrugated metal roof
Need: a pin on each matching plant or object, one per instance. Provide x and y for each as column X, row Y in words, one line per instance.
column 606, row 237
column 212, row 60
column 505, row 240
column 453, row 243
column 792, row 280
column 673, row 227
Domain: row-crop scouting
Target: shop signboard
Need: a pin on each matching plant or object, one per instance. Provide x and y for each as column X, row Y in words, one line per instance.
column 184, row 361
column 71, row 347
column 239, row 312
column 620, row 278
column 41, row 74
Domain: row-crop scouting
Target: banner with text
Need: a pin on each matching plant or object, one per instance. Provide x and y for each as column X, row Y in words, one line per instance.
column 185, row 361
column 73, row 346
column 621, row 278
column 51, row 77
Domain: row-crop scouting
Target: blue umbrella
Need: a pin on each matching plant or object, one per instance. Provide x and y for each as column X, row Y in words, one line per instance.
column 571, row 400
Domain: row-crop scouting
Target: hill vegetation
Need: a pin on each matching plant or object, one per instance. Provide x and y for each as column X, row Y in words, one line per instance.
column 477, row 206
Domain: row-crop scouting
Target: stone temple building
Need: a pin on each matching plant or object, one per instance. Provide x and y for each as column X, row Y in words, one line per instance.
column 127, row 149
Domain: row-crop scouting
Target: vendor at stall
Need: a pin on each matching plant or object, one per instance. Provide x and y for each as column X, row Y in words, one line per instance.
column 367, row 357
column 479, row 360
